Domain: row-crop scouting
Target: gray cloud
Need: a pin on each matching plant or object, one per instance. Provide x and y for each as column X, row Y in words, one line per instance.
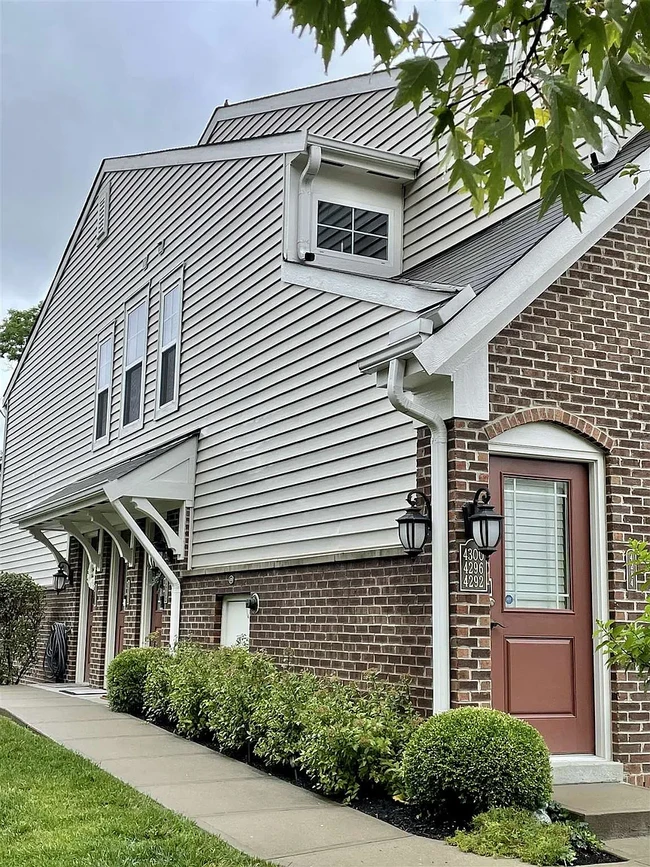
column 85, row 80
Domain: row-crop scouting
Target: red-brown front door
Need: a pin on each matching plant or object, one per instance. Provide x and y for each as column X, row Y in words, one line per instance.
column 542, row 651
column 157, row 609
column 121, row 606
column 89, row 631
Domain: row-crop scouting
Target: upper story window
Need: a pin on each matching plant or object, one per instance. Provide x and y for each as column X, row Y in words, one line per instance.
column 104, row 379
column 101, row 217
column 344, row 208
column 134, row 360
column 171, row 300
column 352, row 230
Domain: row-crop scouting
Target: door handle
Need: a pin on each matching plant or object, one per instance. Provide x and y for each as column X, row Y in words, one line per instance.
column 494, row 623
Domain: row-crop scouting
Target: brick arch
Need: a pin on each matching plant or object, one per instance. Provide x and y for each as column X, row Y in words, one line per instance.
column 558, row 416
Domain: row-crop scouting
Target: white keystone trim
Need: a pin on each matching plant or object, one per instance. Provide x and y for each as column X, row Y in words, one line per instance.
column 551, row 442
column 511, row 293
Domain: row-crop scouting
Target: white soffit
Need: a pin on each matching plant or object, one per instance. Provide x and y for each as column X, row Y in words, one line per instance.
column 513, row 291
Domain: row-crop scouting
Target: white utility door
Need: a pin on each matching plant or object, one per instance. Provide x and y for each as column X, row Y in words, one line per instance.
column 235, row 621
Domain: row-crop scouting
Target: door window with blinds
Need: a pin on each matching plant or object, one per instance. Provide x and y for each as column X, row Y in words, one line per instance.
column 536, row 552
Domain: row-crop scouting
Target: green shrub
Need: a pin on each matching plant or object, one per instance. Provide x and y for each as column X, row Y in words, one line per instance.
column 188, row 689
column 465, row 761
column 21, row 613
column 238, row 682
column 277, row 722
column 126, row 677
column 508, row 832
column 157, row 688
column 354, row 739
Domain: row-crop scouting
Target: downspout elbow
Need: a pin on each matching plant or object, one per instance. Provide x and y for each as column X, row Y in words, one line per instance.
column 411, row 405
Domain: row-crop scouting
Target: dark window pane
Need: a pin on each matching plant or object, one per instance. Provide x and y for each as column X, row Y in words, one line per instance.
column 132, row 394
column 167, row 375
column 370, row 221
column 101, row 425
column 369, row 245
column 335, row 215
column 334, row 239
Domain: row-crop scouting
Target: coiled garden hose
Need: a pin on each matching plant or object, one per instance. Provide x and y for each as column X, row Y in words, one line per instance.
column 55, row 659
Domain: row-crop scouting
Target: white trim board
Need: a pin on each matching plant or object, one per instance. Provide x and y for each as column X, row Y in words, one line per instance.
column 357, row 84
column 80, row 673
column 111, row 613
column 511, row 293
column 549, row 441
column 374, row 290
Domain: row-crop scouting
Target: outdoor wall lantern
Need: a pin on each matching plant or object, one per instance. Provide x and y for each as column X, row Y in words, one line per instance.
column 414, row 526
column 482, row 523
column 62, row 576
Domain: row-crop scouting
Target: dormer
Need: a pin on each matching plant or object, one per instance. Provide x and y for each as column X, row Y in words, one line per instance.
column 344, row 207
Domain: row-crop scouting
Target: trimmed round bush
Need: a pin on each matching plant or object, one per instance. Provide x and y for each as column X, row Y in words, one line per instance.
column 156, row 702
column 126, row 678
column 466, row 761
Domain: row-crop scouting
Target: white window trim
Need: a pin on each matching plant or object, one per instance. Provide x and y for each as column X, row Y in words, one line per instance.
column 176, row 276
column 111, row 619
column 550, row 442
column 126, row 429
column 101, row 229
column 361, row 199
column 99, row 442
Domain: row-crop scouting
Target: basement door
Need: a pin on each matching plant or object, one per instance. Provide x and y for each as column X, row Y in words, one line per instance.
column 542, row 650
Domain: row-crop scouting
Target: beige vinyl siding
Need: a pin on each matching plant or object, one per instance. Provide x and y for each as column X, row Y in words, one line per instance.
column 435, row 217
column 268, row 372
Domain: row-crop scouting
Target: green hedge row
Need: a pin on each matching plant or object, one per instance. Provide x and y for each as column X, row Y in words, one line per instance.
column 344, row 737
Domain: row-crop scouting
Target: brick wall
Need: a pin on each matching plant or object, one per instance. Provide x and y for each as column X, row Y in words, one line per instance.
column 584, row 348
column 60, row 607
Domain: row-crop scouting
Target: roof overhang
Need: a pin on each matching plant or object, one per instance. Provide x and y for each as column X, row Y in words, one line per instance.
column 493, row 309
column 147, row 486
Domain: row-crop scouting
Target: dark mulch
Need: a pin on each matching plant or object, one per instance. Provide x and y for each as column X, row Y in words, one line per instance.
column 406, row 817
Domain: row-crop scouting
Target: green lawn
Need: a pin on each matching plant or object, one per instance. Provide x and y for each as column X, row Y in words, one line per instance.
column 59, row 810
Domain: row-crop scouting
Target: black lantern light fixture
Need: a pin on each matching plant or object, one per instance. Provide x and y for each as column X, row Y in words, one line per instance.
column 414, row 526
column 62, row 576
column 482, row 523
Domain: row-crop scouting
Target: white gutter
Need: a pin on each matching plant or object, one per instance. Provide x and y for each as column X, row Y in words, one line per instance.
column 159, row 560
column 419, row 408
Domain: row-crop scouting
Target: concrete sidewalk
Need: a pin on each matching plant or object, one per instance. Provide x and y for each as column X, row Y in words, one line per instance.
column 255, row 812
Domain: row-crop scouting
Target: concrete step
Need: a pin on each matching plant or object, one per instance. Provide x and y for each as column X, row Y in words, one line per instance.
column 610, row 809
column 585, row 769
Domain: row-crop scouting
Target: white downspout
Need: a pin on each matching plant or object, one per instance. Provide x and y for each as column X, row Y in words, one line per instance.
column 159, row 560
column 418, row 407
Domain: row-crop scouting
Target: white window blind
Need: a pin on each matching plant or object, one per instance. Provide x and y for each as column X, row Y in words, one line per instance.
column 168, row 351
column 535, row 539
column 136, row 342
column 103, row 389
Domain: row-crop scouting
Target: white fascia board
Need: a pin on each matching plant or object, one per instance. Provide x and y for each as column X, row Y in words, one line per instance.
column 253, row 147
column 366, row 83
column 370, row 159
column 386, row 293
column 511, row 293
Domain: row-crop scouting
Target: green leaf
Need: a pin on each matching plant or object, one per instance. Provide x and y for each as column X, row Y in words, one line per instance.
column 568, row 186
column 495, row 57
column 416, row 76
column 324, row 19
column 375, row 19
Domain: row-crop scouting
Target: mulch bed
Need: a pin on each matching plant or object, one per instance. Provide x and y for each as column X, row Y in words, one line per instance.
column 406, row 817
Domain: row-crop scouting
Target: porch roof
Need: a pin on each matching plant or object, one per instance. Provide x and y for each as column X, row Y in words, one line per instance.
column 145, row 486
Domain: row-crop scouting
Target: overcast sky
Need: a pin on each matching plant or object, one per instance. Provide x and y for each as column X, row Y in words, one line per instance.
column 86, row 79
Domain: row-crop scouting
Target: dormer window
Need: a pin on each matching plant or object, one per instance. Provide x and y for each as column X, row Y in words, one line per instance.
column 344, row 207
column 352, row 230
